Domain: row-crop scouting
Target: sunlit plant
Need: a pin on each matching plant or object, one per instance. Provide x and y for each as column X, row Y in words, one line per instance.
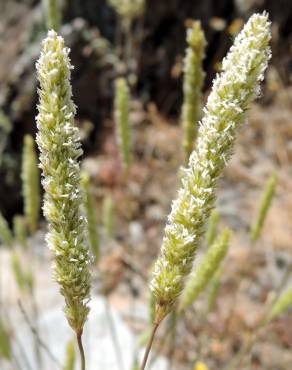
column 233, row 90
column 59, row 145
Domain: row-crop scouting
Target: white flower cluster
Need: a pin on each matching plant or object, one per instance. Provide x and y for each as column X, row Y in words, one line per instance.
column 59, row 145
column 233, row 90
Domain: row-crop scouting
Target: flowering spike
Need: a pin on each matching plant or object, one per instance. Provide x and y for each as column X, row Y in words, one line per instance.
column 214, row 288
column 192, row 86
column 265, row 204
column 30, row 183
column 90, row 214
column 122, row 121
column 59, row 145
column 233, row 90
column 201, row 276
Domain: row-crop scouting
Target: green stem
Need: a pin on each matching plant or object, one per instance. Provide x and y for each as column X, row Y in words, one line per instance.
column 172, row 342
column 162, row 345
column 81, row 349
column 149, row 345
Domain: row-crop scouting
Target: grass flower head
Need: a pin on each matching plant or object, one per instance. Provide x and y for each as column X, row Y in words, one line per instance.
column 59, row 144
column 233, row 90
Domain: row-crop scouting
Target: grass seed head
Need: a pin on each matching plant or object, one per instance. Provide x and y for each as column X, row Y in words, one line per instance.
column 59, row 144
column 233, row 90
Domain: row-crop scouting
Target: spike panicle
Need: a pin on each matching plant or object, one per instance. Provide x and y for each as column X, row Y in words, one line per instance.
column 59, row 144
column 192, row 86
column 281, row 305
column 265, row 205
column 202, row 275
column 123, row 132
column 233, row 90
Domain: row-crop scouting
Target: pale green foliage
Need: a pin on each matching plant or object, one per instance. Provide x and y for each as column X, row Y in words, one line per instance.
column 17, row 271
column 123, row 131
column 24, row 280
column 265, row 204
column 281, row 305
column 128, row 9
column 202, row 275
column 59, row 144
column 212, row 227
column 215, row 284
column 5, row 233
column 90, row 214
column 52, row 14
column 70, row 358
column 30, row 183
column 233, row 90
column 135, row 365
column 5, row 342
column 192, row 86
column 29, row 280
column 19, row 231
column 108, row 216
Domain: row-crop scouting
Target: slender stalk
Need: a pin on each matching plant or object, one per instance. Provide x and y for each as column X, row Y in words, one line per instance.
column 163, row 342
column 114, row 336
column 173, row 338
column 149, row 345
column 81, row 349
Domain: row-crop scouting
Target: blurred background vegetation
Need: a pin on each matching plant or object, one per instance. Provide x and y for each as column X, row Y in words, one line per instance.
column 96, row 35
column 131, row 206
